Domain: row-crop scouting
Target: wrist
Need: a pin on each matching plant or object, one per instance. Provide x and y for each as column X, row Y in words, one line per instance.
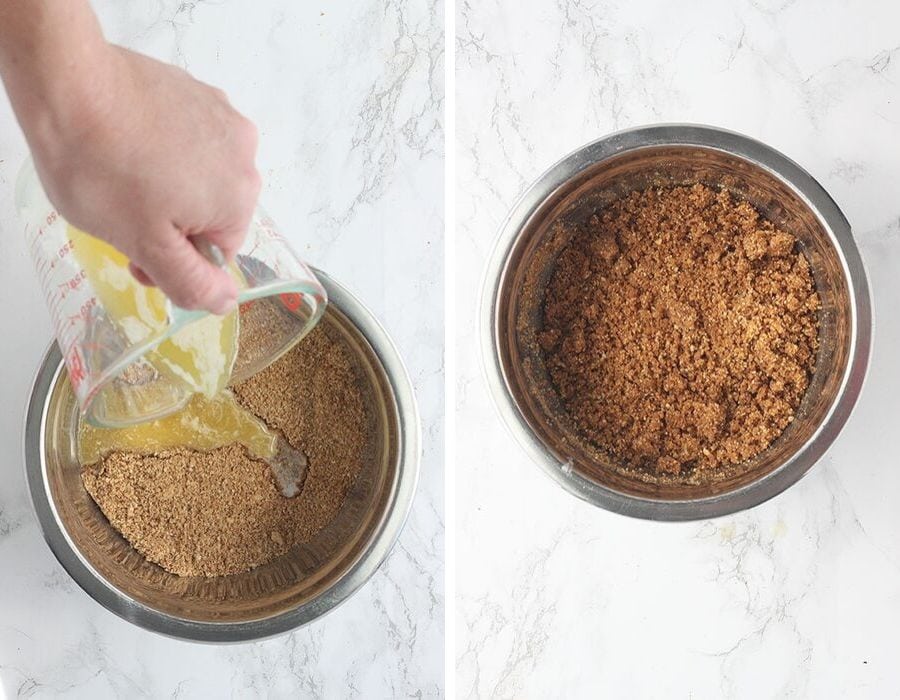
column 61, row 108
column 53, row 64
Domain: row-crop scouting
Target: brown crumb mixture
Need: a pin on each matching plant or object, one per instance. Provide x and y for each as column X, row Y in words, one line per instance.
column 219, row 512
column 680, row 330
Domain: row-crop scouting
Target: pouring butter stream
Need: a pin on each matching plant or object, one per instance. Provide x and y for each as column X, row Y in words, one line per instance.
column 200, row 358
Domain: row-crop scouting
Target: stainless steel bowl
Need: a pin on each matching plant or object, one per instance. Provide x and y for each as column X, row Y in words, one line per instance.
column 290, row 591
column 658, row 156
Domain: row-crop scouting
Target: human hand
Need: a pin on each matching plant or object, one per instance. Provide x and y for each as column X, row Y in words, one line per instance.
column 146, row 157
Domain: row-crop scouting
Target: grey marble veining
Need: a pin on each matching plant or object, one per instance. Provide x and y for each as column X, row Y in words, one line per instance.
column 348, row 99
column 798, row 598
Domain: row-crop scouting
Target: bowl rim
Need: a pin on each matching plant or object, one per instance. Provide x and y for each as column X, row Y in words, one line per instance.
column 760, row 155
column 380, row 545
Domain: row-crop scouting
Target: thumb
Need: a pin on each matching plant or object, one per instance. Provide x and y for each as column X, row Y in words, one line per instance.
column 192, row 282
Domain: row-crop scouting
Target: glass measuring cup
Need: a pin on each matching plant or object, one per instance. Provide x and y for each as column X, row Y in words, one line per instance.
column 280, row 300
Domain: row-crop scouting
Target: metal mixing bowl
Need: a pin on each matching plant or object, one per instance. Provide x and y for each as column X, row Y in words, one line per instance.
column 292, row 590
column 524, row 259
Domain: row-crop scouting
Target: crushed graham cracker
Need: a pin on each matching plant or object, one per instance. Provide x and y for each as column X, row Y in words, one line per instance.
column 680, row 330
column 219, row 512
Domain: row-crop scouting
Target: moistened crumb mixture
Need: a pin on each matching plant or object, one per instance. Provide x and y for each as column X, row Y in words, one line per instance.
column 219, row 512
column 680, row 330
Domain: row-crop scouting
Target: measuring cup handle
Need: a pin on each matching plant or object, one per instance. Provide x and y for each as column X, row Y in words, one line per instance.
column 209, row 250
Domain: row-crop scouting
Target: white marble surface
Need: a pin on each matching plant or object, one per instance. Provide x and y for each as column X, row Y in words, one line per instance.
column 798, row 598
column 348, row 98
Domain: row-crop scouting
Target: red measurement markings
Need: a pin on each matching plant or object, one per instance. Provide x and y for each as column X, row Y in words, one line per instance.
column 65, row 250
column 75, row 365
column 49, row 220
column 291, row 301
column 268, row 227
column 87, row 306
column 83, row 312
column 71, row 284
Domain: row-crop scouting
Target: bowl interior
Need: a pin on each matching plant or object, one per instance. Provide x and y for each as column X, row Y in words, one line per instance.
column 530, row 264
column 298, row 577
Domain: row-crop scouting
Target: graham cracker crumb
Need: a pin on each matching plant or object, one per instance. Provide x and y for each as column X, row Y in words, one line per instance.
column 220, row 512
column 680, row 330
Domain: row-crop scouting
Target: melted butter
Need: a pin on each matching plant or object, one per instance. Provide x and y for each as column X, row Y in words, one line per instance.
column 203, row 425
column 199, row 357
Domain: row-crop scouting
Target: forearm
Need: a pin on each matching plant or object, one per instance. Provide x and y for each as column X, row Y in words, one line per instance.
column 129, row 149
column 47, row 52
